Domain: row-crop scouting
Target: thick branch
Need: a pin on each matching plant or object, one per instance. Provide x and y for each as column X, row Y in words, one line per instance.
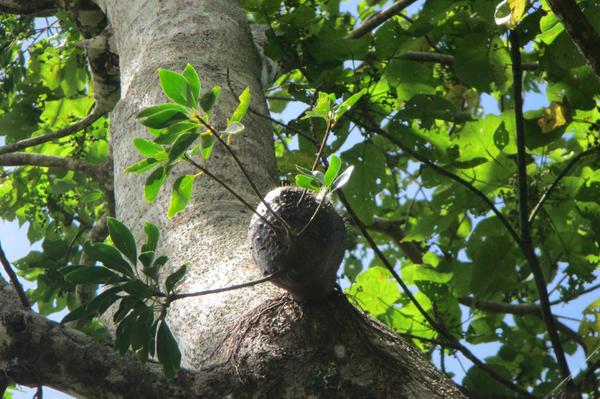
column 394, row 229
column 582, row 33
column 526, row 241
column 379, row 18
column 36, row 8
column 36, row 351
column 100, row 50
column 71, row 129
column 33, row 159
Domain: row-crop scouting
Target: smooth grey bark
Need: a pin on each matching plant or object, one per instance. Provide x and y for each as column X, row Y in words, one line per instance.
column 210, row 235
column 247, row 343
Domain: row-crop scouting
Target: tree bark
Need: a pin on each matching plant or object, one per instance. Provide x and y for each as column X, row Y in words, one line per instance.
column 255, row 342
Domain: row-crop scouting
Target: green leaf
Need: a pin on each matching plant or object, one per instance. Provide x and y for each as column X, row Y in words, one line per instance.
column 367, row 181
column 170, row 134
column 161, row 116
column 152, row 235
column 349, row 103
column 146, row 258
column 103, row 301
column 91, row 275
column 138, row 289
column 182, row 192
column 342, row 179
column 174, row 278
column 323, row 107
column 167, row 350
column 335, row 163
column 123, row 333
column 208, row 100
column 207, row 143
column 183, row 142
column 175, row 87
column 142, row 166
column 125, row 306
column 242, row 107
column 78, row 313
column 375, row 290
column 96, row 306
column 154, row 182
column 142, row 334
column 122, row 239
column 190, row 74
column 150, row 149
column 109, row 256
column 307, row 182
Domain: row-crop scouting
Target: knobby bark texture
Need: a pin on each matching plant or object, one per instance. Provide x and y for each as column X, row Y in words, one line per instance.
column 255, row 342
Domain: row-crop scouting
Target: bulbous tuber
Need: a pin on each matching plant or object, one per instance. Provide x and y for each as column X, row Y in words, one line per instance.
column 305, row 264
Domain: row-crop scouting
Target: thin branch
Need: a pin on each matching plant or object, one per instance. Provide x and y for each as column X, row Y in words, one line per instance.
column 429, row 340
column 526, row 240
column 252, row 283
column 320, row 152
column 446, row 59
column 379, row 18
column 232, row 191
column 14, row 280
column 436, row 326
column 554, row 184
column 580, row 29
column 444, row 172
column 71, row 129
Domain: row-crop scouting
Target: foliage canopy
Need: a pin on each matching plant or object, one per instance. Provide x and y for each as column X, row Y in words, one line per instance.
column 468, row 215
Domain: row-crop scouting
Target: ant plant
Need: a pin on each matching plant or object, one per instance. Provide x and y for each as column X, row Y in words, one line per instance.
column 183, row 132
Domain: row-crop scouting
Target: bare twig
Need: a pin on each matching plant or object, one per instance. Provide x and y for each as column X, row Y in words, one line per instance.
column 71, row 129
column 246, row 175
column 554, row 184
column 379, row 18
column 232, row 191
column 14, row 280
column 526, row 241
column 252, row 283
column 580, row 29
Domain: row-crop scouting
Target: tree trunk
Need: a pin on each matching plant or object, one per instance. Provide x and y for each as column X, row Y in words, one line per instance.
column 254, row 342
